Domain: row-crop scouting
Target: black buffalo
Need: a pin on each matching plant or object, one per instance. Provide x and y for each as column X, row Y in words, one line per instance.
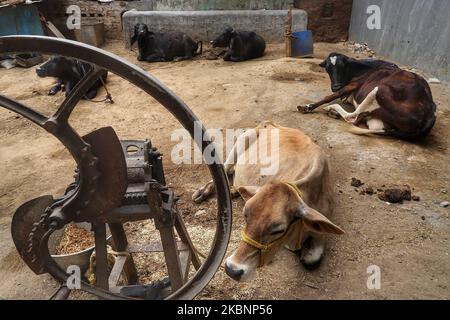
column 68, row 72
column 242, row 45
column 167, row 46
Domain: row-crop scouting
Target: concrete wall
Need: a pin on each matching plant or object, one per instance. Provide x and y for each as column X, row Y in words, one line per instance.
column 181, row 5
column 325, row 27
column 413, row 32
column 205, row 25
column 111, row 13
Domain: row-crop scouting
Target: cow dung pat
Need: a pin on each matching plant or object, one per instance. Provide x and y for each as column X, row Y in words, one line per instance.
column 406, row 194
column 394, row 195
column 356, row 183
column 369, row 191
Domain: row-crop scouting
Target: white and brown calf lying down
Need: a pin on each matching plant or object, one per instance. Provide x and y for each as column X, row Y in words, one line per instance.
column 289, row 208
column 387, row 99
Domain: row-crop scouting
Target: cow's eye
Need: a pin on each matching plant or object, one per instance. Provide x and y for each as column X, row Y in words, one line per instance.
column 276, row 228
column 277, row 232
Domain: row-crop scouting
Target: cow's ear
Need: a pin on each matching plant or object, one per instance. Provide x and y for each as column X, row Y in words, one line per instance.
column 247, row 192
column 317, row 222
column 351, row 60
column 323, row 64
column 348, row 59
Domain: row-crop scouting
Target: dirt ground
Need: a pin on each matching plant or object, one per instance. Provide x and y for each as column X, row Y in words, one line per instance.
column 409, row 241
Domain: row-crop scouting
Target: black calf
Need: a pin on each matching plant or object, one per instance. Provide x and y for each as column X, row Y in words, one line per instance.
column 343, row 69
column 168, row 46
column 242, row 45
column 68, row 72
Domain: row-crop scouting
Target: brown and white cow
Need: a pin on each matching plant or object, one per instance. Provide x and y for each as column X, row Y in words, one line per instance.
column 387, row 99
column 287, row 208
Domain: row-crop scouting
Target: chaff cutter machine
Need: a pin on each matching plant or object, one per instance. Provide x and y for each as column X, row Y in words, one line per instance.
column 115, row 182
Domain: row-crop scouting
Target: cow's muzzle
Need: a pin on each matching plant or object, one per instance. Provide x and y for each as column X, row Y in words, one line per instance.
column 40, row 72
column 233, row 272
column 336, row 87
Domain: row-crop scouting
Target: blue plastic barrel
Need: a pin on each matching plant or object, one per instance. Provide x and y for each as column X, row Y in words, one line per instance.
column 302, row 44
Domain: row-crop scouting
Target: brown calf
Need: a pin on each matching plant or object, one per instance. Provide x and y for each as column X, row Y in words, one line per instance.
column 387, row 99
column 288, row 208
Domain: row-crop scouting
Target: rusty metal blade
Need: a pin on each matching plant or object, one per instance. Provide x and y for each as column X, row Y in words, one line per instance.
column 112, row 182
column 22, row 223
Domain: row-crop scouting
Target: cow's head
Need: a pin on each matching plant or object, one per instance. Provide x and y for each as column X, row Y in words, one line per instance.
column 338, row 68
column 58, row 67
column 140, row 32
column 275, row 215
column 223, row 40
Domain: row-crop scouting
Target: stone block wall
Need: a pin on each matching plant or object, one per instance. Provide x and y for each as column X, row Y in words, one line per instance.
column 329, row 19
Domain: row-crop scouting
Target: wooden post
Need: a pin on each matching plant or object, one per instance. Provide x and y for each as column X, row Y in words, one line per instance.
column 101, row 256
column 288, row 33
column 184, row 236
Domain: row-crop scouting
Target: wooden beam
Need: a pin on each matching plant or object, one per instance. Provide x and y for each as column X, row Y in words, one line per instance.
column 116, row 271
column 54, row 30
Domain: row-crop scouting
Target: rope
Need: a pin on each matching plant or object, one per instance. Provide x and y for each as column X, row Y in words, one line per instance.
column 295, row 188
column 84, row 71
column 108, row 95
column 201, row 254
column 288, row 33
column 265, row 248
column 111, row 257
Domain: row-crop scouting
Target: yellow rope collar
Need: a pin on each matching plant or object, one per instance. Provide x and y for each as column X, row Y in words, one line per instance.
column 294, row 187
column 265, row 248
